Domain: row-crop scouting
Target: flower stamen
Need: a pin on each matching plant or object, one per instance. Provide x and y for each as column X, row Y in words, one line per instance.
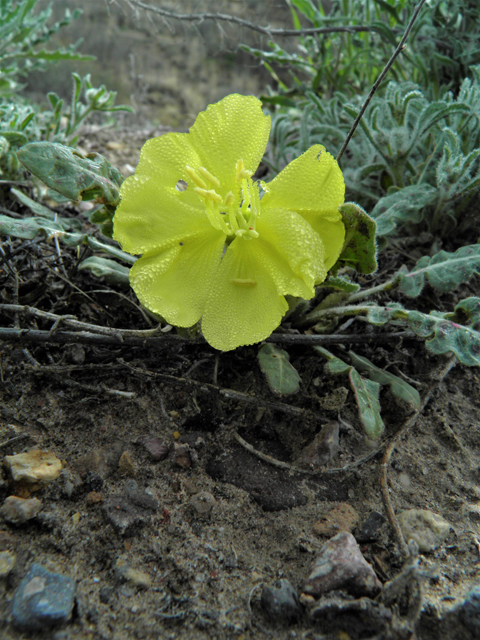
column 205, row 173
column 192, row 174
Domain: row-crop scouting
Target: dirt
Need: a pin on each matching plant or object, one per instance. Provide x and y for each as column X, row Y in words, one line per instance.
column 207, row 525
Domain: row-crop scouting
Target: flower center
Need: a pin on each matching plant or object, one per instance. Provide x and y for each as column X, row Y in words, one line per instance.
column 224, row 213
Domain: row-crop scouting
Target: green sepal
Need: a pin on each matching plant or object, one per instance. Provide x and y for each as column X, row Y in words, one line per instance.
column 359, row 249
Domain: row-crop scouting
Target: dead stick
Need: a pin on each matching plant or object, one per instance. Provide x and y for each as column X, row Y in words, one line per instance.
column 407, row 425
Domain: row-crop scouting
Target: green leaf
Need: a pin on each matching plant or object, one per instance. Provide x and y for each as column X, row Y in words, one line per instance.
column 359, row 250
column 445, row 335
column 34, row 206
column 281, row 376
column 399, row 388
column 30, row 227
column 70, row 173
column 366, row 395
column 448, row 336
column 111, row 271
column 444, row 271
column 466, row 312
column 404, row 206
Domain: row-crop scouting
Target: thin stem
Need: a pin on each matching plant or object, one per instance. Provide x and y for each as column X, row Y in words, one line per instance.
column 269, row 31
column 395, row 55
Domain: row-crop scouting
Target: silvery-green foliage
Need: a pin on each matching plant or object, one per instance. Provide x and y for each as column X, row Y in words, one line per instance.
column 411, row 161
column 21, row 122
column 23, row 35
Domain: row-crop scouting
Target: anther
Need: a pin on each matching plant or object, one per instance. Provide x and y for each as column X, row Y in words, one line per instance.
column 229, row 198
column 244, row 282
column 241, row 172
column 205, row 173
column 210, row 194
column 195, row 178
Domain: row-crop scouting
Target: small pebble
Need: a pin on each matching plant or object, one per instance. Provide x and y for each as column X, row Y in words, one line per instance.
column 43, row 599
column 19, row 510
column 369, row 530
column 105, row 594
column 34, row 467
column 343, row 517
column 126, row 465
column 469, row 611
column 93, row 498
column 281, row 602
column 341, row 565
column 426, row 528
column 181, row 455
column 129, row 511
column 7, row 562
column 156, row 447
column 324, row 447
column 203, row 502
column 99, row 462
column 7, row 541
column 125, row 573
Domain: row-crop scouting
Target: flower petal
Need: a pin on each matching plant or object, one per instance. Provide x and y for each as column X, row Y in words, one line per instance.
column 230, row 130
column 151, row 217
column 244, row 305
column 175, row 283
column 313, row 186
column 332, row 234
column 295, row 243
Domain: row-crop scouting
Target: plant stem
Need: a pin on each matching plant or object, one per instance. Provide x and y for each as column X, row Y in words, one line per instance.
column 395, row 55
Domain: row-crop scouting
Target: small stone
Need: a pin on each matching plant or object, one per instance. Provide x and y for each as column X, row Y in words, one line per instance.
column 125, row 573
column 281, row 602
column 323, row 448
column 43, row 599
column 7, row 562
column 368, row 531
column 99, row 462
column 341, row 565
column 129, row 511
column 105, row 594
column 426, row 528
column 343, row 517
column 469, row 611
column 20, row 510
column 93, row 498
column 34, row 467
column 126, row 466
column 181, row 455
column 156, row 447
column 7, row 541
column 203, row 502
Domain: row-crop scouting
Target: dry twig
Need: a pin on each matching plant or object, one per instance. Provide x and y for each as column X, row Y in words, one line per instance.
column 407, row 425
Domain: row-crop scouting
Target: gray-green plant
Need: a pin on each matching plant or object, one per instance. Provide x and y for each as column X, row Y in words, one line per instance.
column 24, row 33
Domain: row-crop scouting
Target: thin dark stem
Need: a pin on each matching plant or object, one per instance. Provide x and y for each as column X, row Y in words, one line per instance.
column 395, row 55
column 116, row 337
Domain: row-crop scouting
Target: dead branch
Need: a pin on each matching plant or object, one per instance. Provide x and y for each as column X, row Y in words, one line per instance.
column 267, row 30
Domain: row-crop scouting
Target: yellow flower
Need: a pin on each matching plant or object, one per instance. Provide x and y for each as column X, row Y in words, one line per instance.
column 213, row 248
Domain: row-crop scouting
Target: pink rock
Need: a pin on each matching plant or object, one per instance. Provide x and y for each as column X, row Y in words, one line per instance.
column 341, row 565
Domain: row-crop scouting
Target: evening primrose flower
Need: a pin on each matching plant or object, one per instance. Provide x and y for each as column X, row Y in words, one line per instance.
column 212, row 248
